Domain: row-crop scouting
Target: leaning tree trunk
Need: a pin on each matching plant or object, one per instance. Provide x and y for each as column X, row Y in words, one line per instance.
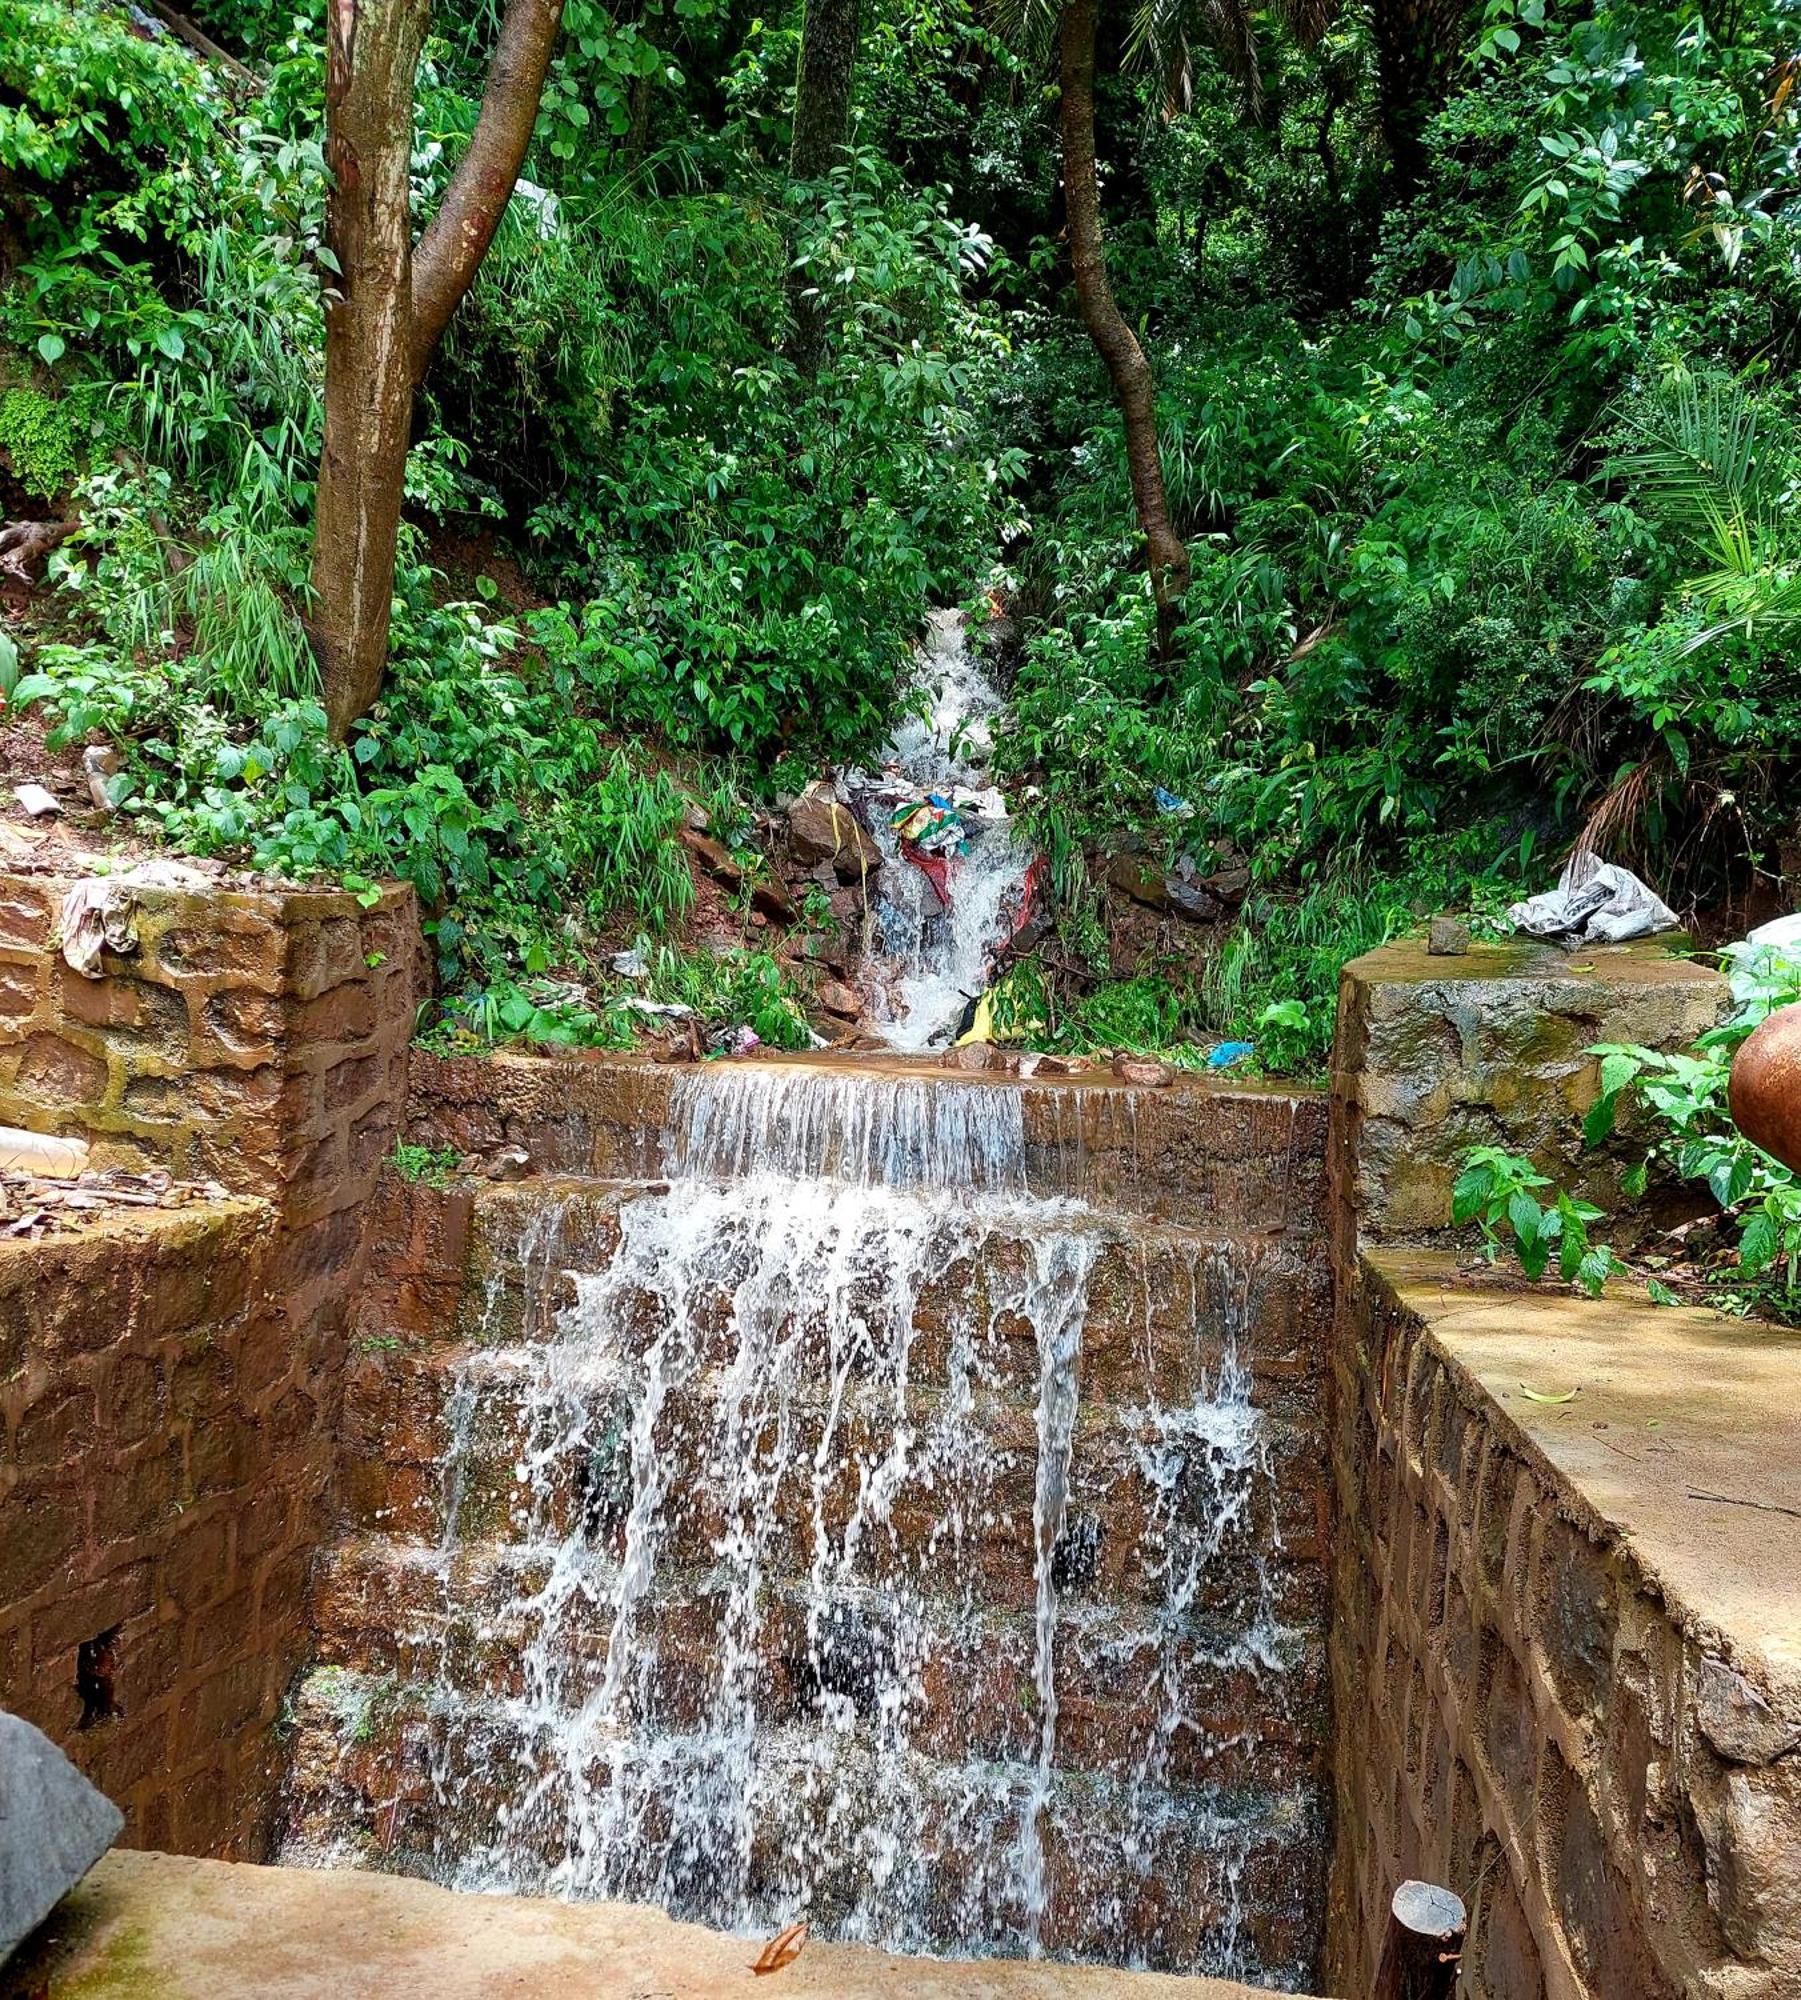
column 1107, row 327
column 1418, row 43
column 389, row 303
column 822, row 99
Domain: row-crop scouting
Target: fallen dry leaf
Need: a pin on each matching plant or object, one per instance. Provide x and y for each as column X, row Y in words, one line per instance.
column 782, row 1949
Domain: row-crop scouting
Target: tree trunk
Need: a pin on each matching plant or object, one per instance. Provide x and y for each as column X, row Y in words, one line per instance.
column 822, row 98
column 1113, row 338
column 388, row 304
column 372, row 54
column 1418, row 43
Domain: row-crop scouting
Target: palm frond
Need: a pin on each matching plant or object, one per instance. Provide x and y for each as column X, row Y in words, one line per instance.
column 1698, row 462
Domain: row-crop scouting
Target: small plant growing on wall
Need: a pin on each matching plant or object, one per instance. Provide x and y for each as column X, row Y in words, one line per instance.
column 1501, row 1193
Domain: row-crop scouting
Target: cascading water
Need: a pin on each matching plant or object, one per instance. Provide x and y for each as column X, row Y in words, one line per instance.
column 933, row 959
column 786, row 1568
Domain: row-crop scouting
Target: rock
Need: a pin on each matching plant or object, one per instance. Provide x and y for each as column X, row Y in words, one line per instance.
column 53, row 1827
column 1061, row 1066
column 837, row 998
column 822, row 828
column 971, row 1056
column 1229, row 885
column 1737, row 1720
column 36, row 801
column 772, row 899
column 1145, row 1071
column 1133, row 876
column 1188, row 899
column 508, row 1165
column 694, row 818
column 847, row 906
column 712, row 857
column 100, row 761
column 1448, row 938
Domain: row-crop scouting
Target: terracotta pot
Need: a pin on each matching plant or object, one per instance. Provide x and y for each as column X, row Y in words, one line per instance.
column 1765, row 1092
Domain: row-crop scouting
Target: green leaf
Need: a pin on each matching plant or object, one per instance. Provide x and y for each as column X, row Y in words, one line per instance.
column 1525, row 1217
column 1533, row 1395
column 1659, row 1293
column 51, row 348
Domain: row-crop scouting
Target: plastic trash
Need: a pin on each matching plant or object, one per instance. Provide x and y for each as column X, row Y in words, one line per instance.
column 99, row 914
column 1779, row 934
column 1594, row 902
column 1176, row 808
column 1228, row 1053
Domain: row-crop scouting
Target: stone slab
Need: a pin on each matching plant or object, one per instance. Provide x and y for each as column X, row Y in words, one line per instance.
column 154, row 1924
column 53, row 1827
column 1435, row 1055
column 1670, row 1402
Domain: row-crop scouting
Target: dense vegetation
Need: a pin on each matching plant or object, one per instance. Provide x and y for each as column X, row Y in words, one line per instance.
column 1474, row 360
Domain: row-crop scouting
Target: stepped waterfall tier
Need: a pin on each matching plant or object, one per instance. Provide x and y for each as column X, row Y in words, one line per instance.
column 846, row 1526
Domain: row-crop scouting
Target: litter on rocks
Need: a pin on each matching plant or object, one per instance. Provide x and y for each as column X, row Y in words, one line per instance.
column 1594, row 902
column 1228, row 1053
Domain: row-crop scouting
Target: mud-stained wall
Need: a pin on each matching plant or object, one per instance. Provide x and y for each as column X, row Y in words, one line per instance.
column 164, row 1453
column 171, row 1386
column 1532, row 1708
column 1605, row 1766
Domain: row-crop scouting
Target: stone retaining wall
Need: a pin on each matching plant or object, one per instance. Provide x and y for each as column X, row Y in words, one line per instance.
column 164, row 1455
column 172, row 1385
column 1567, row 1687
column 1434, row 1055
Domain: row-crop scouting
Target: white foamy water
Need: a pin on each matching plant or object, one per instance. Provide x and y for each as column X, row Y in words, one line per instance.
column 933, row 961
column 768, row 1583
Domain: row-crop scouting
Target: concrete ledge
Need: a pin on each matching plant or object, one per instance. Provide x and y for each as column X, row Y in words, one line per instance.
column 155, row 1924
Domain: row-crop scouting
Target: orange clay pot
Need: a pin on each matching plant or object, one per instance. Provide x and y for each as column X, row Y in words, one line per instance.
column 1765, row 1091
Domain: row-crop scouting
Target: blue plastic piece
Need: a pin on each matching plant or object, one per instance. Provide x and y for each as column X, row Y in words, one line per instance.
column 1228, row 1053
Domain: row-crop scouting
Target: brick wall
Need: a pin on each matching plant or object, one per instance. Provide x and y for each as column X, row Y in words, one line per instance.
column 163, row 1454
column 172, row 1389
column 1528, row 1711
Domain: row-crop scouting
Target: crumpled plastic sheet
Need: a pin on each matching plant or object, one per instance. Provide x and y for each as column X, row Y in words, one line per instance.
column 99, row 914
column 1594, row 902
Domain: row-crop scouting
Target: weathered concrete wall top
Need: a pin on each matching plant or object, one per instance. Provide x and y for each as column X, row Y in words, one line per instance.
column 258, row 1040
column 1435, row 1055
column 1568, row 1651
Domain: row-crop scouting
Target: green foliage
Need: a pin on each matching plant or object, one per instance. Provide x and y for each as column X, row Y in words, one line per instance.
column 1500, row 1193
column 1686, row 1097
column 424, row 1166
column 42, row 440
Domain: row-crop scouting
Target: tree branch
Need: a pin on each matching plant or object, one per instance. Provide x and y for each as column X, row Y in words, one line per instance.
column 450, row 252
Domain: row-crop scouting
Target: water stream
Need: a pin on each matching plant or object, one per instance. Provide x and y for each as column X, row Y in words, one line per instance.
column 854, row 1525
column 932, row 960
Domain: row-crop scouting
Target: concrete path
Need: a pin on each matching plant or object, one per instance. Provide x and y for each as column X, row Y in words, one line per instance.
column 162, row 1927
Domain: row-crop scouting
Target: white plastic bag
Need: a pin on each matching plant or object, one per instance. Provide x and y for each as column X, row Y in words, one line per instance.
column 1594, row 903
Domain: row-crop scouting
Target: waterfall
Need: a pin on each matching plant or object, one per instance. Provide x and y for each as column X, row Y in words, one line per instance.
column 807, row 1546
column 933, row 959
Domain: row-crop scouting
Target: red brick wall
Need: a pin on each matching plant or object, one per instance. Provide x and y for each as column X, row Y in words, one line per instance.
column 163, row 1454
column 170, row 1387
